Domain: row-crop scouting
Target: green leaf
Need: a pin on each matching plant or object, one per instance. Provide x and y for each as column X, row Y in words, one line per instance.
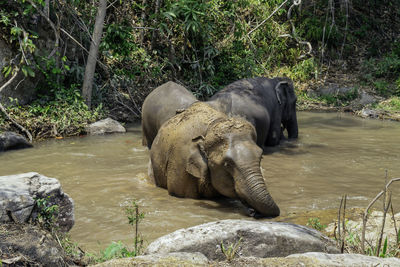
column 24, row 71
column 384, row 249
column 7, row 71
column 31, row 72
column 16, row 31
column 398, row 237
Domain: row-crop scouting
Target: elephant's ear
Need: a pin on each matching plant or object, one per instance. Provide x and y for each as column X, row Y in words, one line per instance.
column 196, row 163
column 278, row 90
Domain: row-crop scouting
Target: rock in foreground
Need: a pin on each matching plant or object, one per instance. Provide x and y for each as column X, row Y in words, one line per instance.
column 18, row 193
column 105, row 126
column 259, row 239
column 29, row 245
column 310, row 259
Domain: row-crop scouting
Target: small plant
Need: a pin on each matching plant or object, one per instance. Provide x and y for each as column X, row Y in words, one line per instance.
column 47, row 213
column 134, row 217
column 119, row 249
column 316, row 224
column 231, row 251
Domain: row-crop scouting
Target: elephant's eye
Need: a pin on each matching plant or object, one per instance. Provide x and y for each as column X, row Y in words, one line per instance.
column 228, row 162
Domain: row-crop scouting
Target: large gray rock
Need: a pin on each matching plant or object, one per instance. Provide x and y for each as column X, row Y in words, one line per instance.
column 11, row 140
column 18, row 193
column 105, row 126
column 257, row 239
column 354, row 260
column 310, row 259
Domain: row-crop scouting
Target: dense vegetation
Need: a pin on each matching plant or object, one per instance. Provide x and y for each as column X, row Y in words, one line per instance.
column 203, row 45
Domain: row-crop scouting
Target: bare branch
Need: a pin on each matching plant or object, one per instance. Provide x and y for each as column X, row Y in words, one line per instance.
column 343, row 222
column 15, row 73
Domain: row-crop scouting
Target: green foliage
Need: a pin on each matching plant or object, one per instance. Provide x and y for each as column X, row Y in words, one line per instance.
column 392, row 104
column 47, row 213
column 384, row 249
column 118, row 40
column 120, row 250
column 340, row 99
column 383, row 74
column 316, row 224
column 64, row 114
column 231, row 251
column 115, row 250
column 70, row 247
column 302, row 71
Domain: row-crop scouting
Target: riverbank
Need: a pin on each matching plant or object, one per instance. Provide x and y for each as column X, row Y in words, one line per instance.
column 52, row 122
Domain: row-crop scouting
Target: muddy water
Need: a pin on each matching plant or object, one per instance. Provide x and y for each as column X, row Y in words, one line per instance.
column 336, row 154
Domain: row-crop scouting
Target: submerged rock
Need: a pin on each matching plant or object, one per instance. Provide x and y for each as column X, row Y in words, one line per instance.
column 18, row 193
column 105, row 126
column 11, row 140
column 253, row 239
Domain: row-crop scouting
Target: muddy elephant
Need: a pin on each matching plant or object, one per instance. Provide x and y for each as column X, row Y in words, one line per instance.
column 203, row 153
column 266, row 103
column 160, row 105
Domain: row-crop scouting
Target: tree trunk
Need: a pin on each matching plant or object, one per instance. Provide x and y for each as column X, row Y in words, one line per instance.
column 143, row 21
column 92, row 57
column 155, row 34
column 46, row 9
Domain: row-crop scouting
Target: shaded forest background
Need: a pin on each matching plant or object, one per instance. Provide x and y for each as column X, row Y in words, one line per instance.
column 201, row 44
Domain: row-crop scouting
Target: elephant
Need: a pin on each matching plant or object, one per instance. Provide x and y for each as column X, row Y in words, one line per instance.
column 266, row 103
column 203, row 153
column 160, row 105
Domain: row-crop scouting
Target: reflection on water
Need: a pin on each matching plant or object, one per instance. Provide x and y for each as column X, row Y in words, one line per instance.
column 336, row 154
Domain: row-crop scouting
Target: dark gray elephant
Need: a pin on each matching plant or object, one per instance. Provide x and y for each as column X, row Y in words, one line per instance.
column 160, row 105
column 266, row 103
column 201, row 152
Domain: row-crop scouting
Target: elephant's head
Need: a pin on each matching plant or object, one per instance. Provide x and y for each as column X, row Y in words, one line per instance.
column 229, row 156
column 287, row 99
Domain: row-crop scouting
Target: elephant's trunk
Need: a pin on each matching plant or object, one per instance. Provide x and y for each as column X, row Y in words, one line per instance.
column 292, row 127
column 253, row 190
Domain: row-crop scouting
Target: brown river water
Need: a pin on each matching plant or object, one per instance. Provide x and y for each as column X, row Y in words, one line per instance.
column 336, row 154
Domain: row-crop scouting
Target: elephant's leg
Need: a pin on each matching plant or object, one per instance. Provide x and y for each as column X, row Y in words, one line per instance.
column 274, row 135
column 150, row 172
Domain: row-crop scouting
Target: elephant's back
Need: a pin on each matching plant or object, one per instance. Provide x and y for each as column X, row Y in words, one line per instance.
column 190, row 123
column 160, row 105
